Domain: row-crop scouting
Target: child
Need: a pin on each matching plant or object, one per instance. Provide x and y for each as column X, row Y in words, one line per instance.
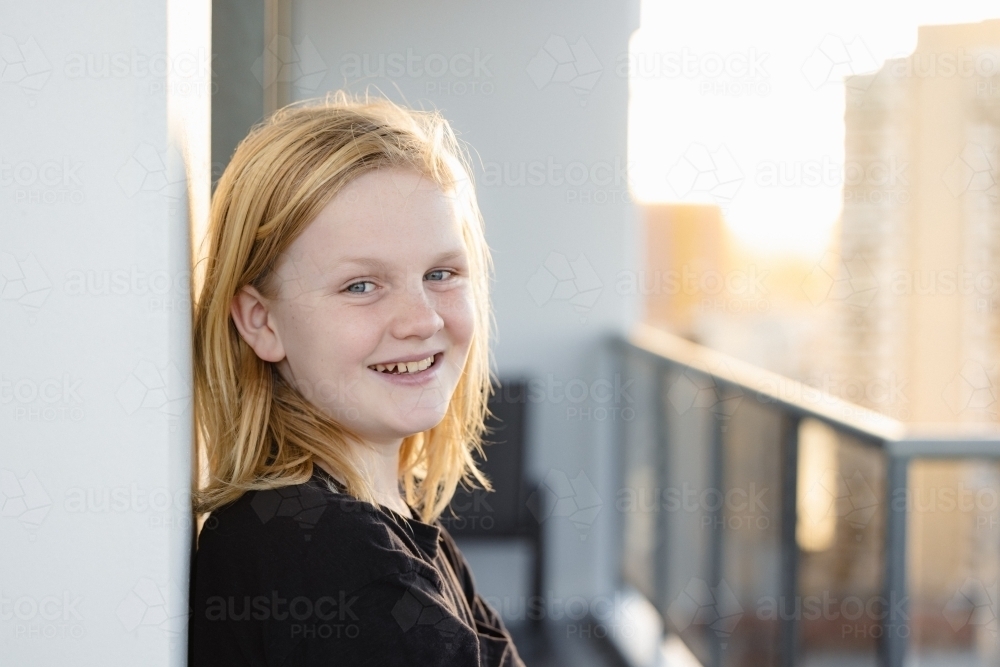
column 342, row 370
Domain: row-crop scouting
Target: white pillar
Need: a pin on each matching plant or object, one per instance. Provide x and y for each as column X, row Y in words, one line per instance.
column 103, row 172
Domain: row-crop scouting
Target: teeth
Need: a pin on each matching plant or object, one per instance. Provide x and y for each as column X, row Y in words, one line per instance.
column 410, row 367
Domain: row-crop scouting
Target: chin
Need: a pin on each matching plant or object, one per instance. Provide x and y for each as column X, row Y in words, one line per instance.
column 414, row 426
column 424, row 408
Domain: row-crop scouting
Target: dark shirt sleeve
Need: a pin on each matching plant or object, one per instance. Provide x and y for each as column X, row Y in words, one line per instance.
column 495, row 640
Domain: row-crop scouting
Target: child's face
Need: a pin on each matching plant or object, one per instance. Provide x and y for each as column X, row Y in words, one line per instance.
column 381, row 275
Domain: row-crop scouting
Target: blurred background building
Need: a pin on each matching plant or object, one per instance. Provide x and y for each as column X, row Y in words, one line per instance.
column 898, row 314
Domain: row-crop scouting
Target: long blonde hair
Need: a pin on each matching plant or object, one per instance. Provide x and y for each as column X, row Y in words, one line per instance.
column 255, row 430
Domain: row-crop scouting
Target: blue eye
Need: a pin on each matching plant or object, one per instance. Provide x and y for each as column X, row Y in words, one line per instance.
column 441, row 271
column 350, row 288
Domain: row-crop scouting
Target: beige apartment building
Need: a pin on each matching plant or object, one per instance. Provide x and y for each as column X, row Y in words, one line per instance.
column 920, row 240
column 919, row 294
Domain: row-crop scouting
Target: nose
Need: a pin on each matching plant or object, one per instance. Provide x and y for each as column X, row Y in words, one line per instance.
column 415, row 313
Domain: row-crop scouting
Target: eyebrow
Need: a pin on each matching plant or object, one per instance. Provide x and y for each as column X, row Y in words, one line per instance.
column 380, row 265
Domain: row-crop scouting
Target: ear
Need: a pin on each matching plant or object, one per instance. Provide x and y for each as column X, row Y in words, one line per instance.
column 255, row 322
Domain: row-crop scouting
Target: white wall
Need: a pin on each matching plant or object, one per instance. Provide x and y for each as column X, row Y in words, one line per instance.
column 557, row 247
column 95, row 418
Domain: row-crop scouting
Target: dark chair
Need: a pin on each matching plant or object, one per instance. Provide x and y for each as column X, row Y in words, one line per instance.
column 502, row 514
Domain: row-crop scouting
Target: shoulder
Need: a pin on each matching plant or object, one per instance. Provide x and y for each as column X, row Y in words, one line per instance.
column 303, row 524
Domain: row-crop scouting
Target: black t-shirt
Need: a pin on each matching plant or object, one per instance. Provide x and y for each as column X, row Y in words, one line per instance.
column 304, row 576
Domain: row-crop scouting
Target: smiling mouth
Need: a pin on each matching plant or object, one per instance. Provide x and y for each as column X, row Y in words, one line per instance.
column 407, row 368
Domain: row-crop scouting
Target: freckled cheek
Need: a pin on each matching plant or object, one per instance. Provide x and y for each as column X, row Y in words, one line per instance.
column 328, row 342
column 347, row 339
column 457, row 310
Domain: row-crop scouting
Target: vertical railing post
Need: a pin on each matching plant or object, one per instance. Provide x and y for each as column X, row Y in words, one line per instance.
column 718, row 519
column 620, row 356
column 789, row 545
column 661, row 564
column 895, row 626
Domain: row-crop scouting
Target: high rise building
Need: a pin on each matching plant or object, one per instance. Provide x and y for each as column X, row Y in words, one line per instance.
column 919, row 274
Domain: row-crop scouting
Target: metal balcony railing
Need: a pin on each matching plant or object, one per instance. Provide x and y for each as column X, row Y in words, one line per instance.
column 769, row 523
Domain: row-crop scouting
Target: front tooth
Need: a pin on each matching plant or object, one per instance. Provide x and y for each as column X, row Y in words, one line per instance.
column 412, row 366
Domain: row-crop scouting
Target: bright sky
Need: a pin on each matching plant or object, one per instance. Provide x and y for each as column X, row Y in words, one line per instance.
column 696, row 134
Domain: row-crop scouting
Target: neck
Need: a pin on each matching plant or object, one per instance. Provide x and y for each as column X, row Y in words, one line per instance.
column 381, row 462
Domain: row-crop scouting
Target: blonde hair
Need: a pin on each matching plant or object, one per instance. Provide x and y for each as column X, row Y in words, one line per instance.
column 255, row 430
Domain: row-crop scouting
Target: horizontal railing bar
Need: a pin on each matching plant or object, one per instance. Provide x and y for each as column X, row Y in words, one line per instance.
column 768, row 387
column 965, row 447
